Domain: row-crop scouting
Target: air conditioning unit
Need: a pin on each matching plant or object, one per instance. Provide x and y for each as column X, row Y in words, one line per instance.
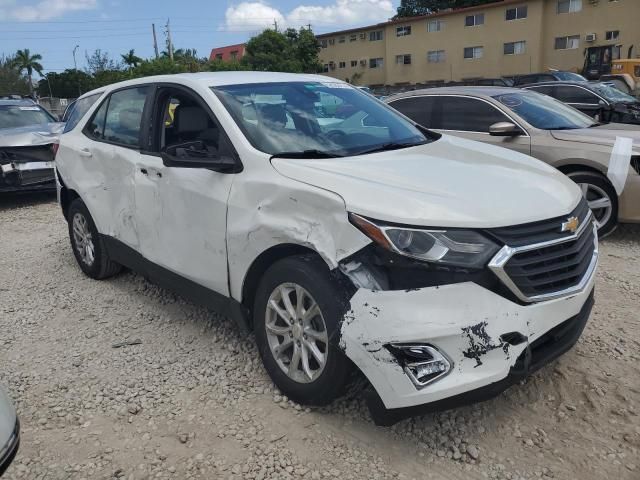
column 363, row 36
column 591, row 37
column 363, row 62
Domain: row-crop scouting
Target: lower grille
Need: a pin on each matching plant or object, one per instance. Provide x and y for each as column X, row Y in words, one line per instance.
column 554, row 268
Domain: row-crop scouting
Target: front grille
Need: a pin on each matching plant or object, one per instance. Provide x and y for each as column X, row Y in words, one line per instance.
column 552, row 268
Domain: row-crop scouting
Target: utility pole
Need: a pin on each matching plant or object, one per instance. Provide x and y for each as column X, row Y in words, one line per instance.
column 75, row 65
column 169, row 42
column 155, row 40
column 309, row 26
column 275, row 25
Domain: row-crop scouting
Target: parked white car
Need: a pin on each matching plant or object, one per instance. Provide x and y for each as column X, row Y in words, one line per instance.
column 9, row 432
column 344, row 245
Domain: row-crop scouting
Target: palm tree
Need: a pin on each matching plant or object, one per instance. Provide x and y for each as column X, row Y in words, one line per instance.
column 131, row 59
column 25, row 61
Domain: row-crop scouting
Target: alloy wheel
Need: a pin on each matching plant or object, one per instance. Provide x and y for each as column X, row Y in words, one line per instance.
column 599, row 202
column 296, row 332
column 83, row 239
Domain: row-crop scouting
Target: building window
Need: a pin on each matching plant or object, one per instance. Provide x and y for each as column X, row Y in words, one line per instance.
column 375, row 62
column 218, row 56
column 435, row 25
column 436, row 56
column 474, row 20
column 567, row 43
column 403, row 31
column 353, row 37
column 516, row 13
column 332, row 41
column 473, row 52
column 569, row 6
column 354, row 63
column 325, row 68
column 375, row 36
column 234, row 54
column 612, row 35
column 342, row 64
column 515, row 48
column 323, row 43
column 341, row 39
column 403, row 59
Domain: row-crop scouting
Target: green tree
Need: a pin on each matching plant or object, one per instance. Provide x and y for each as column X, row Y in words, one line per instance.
column 11, row 81
column 291, row 51
column 130, row 59
column 413, row 8
column 23, row 60
column 100, row 61
column 68, row 84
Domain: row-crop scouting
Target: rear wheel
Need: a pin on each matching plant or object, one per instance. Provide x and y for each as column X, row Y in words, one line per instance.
column 297, row 316
column 87, row 245
column 601, row 197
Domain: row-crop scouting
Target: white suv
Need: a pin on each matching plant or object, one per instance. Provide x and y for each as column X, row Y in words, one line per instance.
column 345, row 236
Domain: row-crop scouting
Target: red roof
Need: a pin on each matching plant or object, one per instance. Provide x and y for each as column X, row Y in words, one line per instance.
column 225, row 53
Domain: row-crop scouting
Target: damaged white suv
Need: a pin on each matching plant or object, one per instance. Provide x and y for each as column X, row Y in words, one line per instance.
column 344, row 235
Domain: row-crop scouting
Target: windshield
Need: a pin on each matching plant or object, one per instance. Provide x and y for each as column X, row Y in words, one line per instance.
column 544, row 112
column 612, row 94
column 14, row 116
column 569, row 77
column 315, row 119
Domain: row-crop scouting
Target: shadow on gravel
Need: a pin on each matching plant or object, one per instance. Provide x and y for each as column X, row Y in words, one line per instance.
column 9, row 201
column 625, row 232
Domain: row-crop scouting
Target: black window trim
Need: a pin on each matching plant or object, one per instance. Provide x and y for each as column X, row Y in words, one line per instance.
column 458, row 95
column 607, row 103
column 107, row 99
column 147, row 123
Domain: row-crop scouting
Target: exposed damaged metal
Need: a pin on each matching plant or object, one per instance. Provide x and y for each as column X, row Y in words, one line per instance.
column 480, row 343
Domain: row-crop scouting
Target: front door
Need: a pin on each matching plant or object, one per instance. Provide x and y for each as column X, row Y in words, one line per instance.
column 182, row 211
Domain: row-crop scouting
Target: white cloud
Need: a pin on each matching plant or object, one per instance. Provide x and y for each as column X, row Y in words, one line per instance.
column 42, row 10
column 259, row 14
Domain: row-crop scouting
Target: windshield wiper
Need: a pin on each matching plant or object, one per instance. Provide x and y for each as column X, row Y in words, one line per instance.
column 307, row 154
column 389, row 146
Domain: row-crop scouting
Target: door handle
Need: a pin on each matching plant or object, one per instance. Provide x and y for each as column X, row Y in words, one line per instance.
column 85, row 152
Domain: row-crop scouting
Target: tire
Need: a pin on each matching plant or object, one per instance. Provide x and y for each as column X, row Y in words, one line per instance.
column 309, row 273
column 96, row 265
column 596, row 187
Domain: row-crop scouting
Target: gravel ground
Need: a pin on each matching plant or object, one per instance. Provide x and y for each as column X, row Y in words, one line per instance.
column 188, row 398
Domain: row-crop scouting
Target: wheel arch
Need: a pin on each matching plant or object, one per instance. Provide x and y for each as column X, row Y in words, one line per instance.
column 262, row 263
column 573, row 167
column 67, row 196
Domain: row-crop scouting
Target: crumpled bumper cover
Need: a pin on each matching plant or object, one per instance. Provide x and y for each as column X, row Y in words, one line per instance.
column 466, row 322
column 10, row 449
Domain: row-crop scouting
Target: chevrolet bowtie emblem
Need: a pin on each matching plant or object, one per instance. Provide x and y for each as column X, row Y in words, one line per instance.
column 571, row 225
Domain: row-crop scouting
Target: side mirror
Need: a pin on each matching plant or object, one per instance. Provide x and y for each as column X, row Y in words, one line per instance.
column 505, row 129
column 197, row 155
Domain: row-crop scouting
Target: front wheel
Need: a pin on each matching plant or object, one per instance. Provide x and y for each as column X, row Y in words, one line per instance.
column 297, row 316
column 602, row 199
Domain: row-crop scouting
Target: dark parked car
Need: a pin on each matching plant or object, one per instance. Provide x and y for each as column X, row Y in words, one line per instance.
column 599, row 100
column 520, row 80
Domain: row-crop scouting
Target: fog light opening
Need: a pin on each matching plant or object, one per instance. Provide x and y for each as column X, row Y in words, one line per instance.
column 423, row 364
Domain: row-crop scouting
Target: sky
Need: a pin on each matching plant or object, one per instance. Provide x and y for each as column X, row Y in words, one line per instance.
column 53, row 28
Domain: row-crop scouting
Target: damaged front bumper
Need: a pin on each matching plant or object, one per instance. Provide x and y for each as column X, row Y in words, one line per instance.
column 27, row 168
column 490, row 342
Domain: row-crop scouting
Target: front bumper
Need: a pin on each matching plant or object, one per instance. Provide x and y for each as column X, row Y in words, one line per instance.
column 27, row 176
column 467, row 323
column 9, row 451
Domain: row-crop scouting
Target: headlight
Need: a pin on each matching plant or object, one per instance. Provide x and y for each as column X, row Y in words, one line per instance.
column 461, row 248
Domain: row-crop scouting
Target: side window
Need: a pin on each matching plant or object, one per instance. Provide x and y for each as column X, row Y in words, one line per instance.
column 124, row 116
column 570, row 94
column 469, row 115
column 78, row 110
column 95, row 127
column 186, row 124
column 419, row 109
column 546, row 90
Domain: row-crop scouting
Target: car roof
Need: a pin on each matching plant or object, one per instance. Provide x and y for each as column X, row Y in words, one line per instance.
column 217, row 79
column 22, row 102
column 478, row 91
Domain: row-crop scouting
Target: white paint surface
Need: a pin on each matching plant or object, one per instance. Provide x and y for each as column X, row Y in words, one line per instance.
column 619, row 163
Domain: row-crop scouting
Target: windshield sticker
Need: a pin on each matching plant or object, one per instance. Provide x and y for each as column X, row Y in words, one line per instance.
column 30, row 109
column 335, row 85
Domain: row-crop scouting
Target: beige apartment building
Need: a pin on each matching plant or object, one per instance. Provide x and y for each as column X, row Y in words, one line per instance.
column 505, row 38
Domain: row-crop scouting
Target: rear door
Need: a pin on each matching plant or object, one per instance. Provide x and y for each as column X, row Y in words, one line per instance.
column 181, row 212
column 462, row 116
column 107, row 151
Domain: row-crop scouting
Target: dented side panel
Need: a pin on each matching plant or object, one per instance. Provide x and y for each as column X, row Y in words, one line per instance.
column 464, row 321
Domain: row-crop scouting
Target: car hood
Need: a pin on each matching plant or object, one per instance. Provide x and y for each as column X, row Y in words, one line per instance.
column 451, row 182
column 40, row 134
column 600, row 135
